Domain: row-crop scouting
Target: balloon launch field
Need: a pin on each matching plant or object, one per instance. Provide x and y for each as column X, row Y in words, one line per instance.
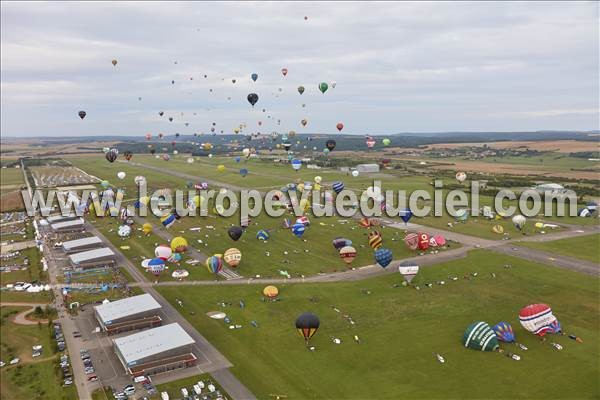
column 400, row 330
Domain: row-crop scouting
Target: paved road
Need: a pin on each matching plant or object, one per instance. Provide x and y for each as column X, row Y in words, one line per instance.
column 20, row 317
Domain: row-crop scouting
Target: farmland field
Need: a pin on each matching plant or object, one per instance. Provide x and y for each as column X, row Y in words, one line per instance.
column 399, row 330
column 582, row 247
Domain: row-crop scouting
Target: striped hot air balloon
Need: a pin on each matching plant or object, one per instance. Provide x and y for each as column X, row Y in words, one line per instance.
column 504, row 332
column 479, row 336
column 348, row 254
column 375, row 240
column 156, row 266
column 538, row 319
column 263, row 235
column 338, row 186
column 412, row 241
column 214, row 264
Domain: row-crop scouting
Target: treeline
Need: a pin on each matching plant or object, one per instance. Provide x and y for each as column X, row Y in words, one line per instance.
column 586, row 154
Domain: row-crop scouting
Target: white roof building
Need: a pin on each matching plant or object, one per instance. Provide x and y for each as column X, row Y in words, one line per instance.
column 91, row 256
column 61, row 218
column 84, row 243
column 68, row 225
column 129, row 307
column 150, row 344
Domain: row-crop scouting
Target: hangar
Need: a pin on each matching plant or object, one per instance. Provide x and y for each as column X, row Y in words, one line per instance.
column 127, row 314
column 92, row 258
column 77, row 245
column 68, row 226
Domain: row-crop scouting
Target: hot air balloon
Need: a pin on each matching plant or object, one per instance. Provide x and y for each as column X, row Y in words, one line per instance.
column 461, row 176
column 423, row 241
column 121, row 175
column 406, row 214
column 323, row 87
column 166, row 157
column 339, row 126
column 168, row 220
column 330, row 144
column 111, row 155
column 300, row 89
column 298, row 229
column 271, row 292
column 375, row 240
column 504, row 332
column 337, row 187
column 156, row 266
column 252, row 99
column 386, row 142
column 333, row 84
column 538, row 319
column 370, row 142
column 408, row 270
column 254, row 77
column 355, row 173
column 147, row 228
column 179, row 244
column 243, row 172
column 214, row 264
column 499, row 229
column 519, row 221
column 340, row 242
column 128, row 154
column 304, row 122
column 163, row 252
column 124, row 231
column 479, row 336
column 347, row 254
column 284, row 71
column 235, row 232
column 383, row 257
column 232, row 257
column 220, row 168
column 296, row 164
column 262, row 235
column 307, row 325
column 114, row 62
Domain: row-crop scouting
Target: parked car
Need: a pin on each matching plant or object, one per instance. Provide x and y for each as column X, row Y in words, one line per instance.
column 92, row 378
column 15, row 361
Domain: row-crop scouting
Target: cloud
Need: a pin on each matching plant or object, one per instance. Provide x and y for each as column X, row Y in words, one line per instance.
column 399, row 66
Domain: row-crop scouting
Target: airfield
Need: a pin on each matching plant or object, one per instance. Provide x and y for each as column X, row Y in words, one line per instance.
column 389, row 333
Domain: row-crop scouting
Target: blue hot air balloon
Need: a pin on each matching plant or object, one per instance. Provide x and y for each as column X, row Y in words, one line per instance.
column 262, row 235
column 504, row 332
column 243, row 172
column 339, row 242
column 156, row 266
column 214, row 264
column 254, row 77
column 298, row 229
column 406, row 215
column 168, row 220
column 383, row 256
column 338, row 186
column 296, row 164
column 237, row 159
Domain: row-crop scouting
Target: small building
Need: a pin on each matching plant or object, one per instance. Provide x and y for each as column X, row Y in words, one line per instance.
column 92, row 258
column 128, row 314
column 77, row 245
column 68, row 226
column 366, row 168
column 155, row 350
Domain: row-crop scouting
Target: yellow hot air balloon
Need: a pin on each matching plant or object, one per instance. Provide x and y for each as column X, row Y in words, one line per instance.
column 539, row 225
column 318, row 179
column 270, row 291
column 304, row 204
column 232, row 257
column 147, row 228
column 498, row 229
column 221, row 168
column 236, row 130
column 179, row 244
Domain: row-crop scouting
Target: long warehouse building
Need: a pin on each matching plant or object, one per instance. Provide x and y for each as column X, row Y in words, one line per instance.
column 127, row 314
column 77, row 245
column 103, row 256
column 74, row 225
column 156, row 350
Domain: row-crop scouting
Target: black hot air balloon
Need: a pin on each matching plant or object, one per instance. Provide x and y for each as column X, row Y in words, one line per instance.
column 161, row 113
column 307, row 325
column 235, row 232
column 330, row 144
column 152, row 151
column 82, row 114
column 128, row 154
column 111, row 155
column 253, row 98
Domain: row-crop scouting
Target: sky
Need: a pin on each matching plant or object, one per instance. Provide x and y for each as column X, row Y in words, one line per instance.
column 398, row 67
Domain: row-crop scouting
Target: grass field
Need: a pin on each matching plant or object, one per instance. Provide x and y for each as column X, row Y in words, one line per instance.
column 33, row 378
column 400, row 329
column 582, row 247
column 11, row 176
column 23, row 297
column 33, row 273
